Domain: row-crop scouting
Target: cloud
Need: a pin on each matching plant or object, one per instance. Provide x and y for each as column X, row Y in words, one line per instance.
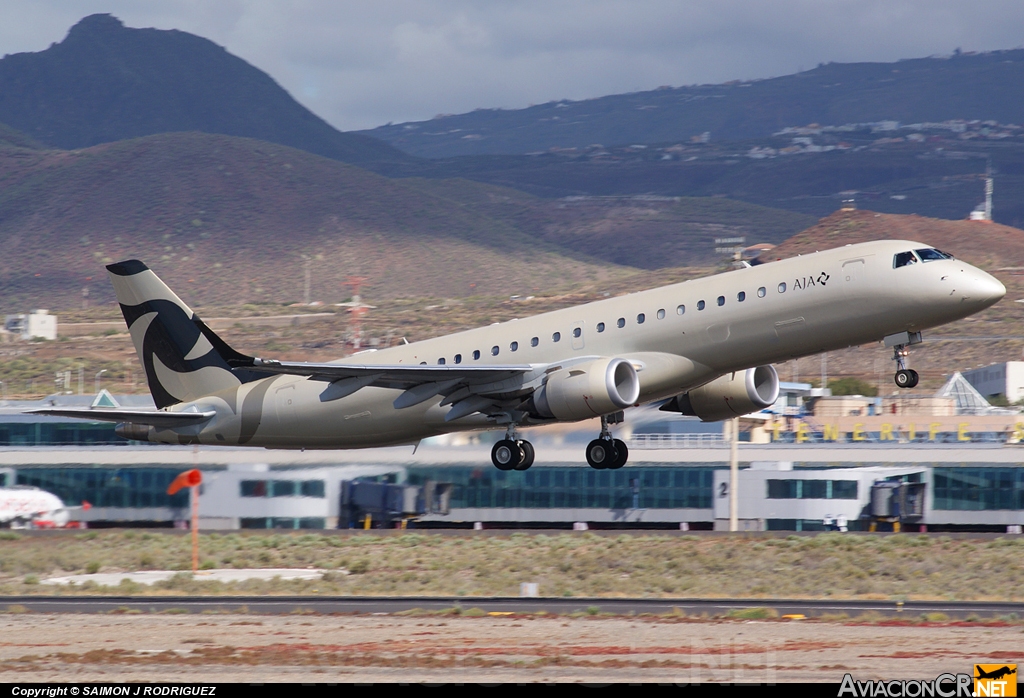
column 361, row 64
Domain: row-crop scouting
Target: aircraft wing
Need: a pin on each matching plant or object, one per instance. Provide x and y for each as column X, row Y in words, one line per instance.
column 392, row 375
column 468, row 389
column 161, row 420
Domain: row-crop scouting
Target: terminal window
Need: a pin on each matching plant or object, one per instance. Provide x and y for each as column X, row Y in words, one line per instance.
column 574, row 487
column 812, row 489
column 254, row 488
column 282, row 488
column 975, row 489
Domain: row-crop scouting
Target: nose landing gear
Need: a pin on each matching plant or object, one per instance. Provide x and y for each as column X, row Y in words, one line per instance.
column 900, row 343
column 606, row 453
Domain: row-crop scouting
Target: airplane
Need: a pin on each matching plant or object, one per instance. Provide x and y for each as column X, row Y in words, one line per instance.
column 704, row 346
column 23, row 505
column 994, row 674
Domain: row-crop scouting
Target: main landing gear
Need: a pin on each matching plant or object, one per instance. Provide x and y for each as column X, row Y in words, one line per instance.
column 905, row 377
column 511, row 453
column 603, row 453
column 606, row 453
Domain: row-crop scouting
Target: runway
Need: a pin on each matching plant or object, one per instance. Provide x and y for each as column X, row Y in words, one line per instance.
column 911, row 610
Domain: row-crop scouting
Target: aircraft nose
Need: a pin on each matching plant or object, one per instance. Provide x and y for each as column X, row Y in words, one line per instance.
column 982, row 289
column 989, row 288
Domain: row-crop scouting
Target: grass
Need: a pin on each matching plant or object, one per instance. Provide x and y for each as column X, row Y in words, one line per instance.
column 570, row 565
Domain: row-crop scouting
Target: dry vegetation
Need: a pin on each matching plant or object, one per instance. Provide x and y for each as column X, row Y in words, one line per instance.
column 827, row 565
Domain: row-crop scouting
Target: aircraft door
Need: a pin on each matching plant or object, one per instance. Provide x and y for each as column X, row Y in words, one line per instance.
column 577, row 336
column 853, row 269
column 284, row 403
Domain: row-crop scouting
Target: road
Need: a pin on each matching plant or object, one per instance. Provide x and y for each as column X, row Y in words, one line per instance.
column 503, row 605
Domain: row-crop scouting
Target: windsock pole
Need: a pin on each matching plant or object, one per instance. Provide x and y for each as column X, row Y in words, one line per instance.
column 191, row 479
column 195, row 528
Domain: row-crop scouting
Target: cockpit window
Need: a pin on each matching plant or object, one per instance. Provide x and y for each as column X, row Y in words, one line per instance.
column 902, row 259
column 930, row 254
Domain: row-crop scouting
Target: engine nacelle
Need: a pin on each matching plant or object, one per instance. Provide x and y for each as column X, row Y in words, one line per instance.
column 134, row 432
column 731, row 395
column 588, row 390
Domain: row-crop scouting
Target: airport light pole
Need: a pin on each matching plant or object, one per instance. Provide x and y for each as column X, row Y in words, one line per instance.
column 734, row 473
column 97, row 381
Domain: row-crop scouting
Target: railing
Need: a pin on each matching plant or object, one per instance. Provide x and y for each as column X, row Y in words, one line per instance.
column 656, row 441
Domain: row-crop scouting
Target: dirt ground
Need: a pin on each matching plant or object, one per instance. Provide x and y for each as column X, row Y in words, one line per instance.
column 368, row 648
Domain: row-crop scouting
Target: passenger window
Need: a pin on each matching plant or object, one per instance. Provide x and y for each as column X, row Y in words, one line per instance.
column 741, row 296
column 621, row 322
column 514, row 346
column 782, row 287
column 680, row 309
column 600, row 327
column 494, row 350
column 700, row 305
column 721, row 300
column 556, row 336
column 476, row 354
column 577, row 331
column 458, row 358
column 661, row 314
column 440, row 362
column 761, row 291
column 535, row 341
column 640, row 319
column 903, row 259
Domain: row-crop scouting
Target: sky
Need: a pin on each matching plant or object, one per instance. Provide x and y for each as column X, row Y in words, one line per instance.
column 363, row 64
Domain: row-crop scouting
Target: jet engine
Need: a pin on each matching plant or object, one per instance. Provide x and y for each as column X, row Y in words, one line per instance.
column 588, row 390
column 728, row 396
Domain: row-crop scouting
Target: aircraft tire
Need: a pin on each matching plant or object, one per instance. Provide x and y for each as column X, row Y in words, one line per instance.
column 528, row 455
column 914, row 378
column 621, row 453
column 903, row 378
column 506, row 455
column 601, row 454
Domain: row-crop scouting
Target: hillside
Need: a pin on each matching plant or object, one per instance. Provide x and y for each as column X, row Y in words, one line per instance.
column 963, row 86
column 105, row 82
column 931, row 170
column 235, row 217
column 231, row 220
column 996, row 248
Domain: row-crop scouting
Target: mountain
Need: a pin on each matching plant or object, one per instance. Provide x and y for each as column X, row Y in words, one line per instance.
column 105, row 82
column 985, row 86
column 233, row 221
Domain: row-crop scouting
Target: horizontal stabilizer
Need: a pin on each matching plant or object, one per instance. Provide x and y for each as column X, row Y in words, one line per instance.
column 160, row 420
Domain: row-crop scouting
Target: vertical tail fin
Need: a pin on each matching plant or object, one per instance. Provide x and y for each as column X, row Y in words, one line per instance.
column 183, row 358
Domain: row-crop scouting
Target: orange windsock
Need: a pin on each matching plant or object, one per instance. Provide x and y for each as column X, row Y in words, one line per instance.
column 189, row 478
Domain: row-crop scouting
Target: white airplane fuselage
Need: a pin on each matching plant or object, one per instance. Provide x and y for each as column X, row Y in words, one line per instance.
column 678, row 337
column 26, row 505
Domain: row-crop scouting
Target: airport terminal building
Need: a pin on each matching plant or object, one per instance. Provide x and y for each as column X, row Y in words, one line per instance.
column 672, row 481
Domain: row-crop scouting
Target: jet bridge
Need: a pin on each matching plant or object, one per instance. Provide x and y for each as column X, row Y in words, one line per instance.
column 378, row 504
